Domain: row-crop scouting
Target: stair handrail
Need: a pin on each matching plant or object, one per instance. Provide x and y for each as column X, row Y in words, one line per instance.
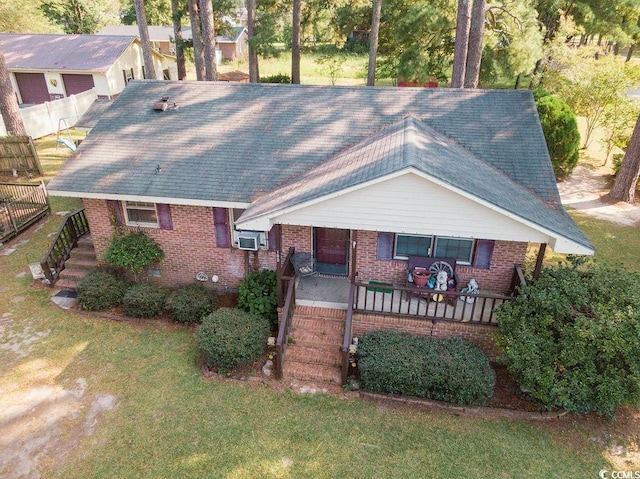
column 285, row 325
column 346, row 342
column 74, row 226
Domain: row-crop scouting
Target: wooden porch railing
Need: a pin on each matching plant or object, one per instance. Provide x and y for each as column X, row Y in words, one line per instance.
column 348, row 333
column 74, row 226
column 21, row 205
column 285, row 325
column 451, row 306
column 517, row 280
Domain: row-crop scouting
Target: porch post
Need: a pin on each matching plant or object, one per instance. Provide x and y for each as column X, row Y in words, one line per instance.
column 354, row 248
column 278, row 231
column 538, row 268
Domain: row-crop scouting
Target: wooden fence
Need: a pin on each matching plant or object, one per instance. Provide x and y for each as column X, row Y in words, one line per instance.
column 18, row 155
column 21, row 205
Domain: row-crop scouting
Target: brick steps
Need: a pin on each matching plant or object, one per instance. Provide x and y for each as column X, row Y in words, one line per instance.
column 313, row 353
column 82, row 260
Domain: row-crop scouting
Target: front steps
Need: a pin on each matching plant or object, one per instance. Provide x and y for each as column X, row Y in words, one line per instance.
column 82, row 260
column 313, row 351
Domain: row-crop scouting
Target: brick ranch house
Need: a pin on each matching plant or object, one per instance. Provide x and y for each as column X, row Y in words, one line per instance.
column 360, row 178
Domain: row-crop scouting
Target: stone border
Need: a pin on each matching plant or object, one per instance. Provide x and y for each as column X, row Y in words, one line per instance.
column 465, row 410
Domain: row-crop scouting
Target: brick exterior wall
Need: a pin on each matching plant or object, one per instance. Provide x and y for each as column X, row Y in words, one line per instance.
column 496, row 279
column 479, row 334
column 189, row 248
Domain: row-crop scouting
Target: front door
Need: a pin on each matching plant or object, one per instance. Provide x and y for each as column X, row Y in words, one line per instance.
column 331, row 249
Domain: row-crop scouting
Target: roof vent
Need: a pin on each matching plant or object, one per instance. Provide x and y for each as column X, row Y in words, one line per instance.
column 161, row 105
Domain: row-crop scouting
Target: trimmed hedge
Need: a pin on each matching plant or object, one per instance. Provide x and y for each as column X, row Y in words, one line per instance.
column 451, row 369
column 191, row 303
column 229, row 338
column 100, row 289
column 145, row 300
column 257, row 294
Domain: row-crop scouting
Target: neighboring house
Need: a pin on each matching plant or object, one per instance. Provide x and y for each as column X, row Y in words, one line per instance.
column 362, row 178
column 47, row 67
column 162, row 38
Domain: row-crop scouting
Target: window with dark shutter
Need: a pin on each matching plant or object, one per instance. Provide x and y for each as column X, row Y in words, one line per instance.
column 385, row 245
column 484, row 251
column 115, row 211
column 272, row 238
column 164, row 216
column 221, row 226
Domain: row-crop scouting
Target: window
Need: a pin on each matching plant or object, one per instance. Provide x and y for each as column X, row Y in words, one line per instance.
column 139, row 213
column 412, row 245
column 459, row 248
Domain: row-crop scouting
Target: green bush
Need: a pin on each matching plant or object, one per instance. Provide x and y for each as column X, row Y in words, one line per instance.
column 560, row 129
column 133, row 252
column 100, row 289
column 229, row 338
column 145, row 300
column 617, row 162
column 572, row 337
column 257, row 294
column 279, row 78
column 191, row 303
column 451, row 370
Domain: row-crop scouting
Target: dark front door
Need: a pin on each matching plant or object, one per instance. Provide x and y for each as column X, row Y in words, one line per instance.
column 331, row 248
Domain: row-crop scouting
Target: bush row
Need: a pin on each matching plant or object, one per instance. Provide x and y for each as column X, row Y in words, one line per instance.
column 451, row 370
column 105, row 289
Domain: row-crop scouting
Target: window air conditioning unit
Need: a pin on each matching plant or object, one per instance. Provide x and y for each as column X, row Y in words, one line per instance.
column 249, row 240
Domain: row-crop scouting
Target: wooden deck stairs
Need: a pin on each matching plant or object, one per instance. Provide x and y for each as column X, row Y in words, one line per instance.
column 82, row 260
column 313, row 351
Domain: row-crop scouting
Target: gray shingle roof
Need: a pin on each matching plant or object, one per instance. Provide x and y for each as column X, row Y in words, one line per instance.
column 92, row 53
column 238, row 142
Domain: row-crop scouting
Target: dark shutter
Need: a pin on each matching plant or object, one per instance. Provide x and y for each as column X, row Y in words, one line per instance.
column 385, row 245
column 484, row 251
column 221, row 224
column 164, row 216
column 272, row 238
column 115, row 210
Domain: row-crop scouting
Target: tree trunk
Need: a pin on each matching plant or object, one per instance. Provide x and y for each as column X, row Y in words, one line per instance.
column 630, row 52
column 254, row 72
column 196, row 35
column 8, row 102
column 373, row 42
column 295, row 42
column 147, row 51
column 476, row 42
column 177, row 36
column 209, row 40
column 624, row 187
column 462, row 43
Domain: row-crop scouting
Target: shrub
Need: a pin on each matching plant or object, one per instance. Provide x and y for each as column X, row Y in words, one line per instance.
column 560, row 129
column 134, row 252
column 279, row 78
column 617, row 162
column 228, row 338
column 191, row 303
column 451, row 369
column 571, row 337
column 145, row 300
column 100, row 289
column 257, row 294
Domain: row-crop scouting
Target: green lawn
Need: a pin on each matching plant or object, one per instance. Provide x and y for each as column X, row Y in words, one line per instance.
column 170, row 422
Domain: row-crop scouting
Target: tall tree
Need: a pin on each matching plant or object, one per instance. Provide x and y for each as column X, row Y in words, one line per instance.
column 18, row 16
column 476, row 42
column 295, row 42
column 176, row 15
column 624, row 186
column 373, row 42
column 159, row 12
column 8, row 103
column 254, row 73
column 74, row 16
column 209, row 40
column 147, row 49
column 196, row 36
column 463, row 24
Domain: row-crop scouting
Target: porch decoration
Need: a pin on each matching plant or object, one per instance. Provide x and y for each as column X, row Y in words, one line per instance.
column 442, row 279
column 472, row 288
column 421, row 276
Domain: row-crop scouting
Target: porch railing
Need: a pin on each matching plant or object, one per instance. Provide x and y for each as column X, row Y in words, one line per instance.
column 74, row 226
column 451, row 306
column 517, row 280
column 21, row 205
column 348, row 333
column 285, row 325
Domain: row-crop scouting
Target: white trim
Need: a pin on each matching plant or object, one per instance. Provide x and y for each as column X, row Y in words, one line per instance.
column 149, row 199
